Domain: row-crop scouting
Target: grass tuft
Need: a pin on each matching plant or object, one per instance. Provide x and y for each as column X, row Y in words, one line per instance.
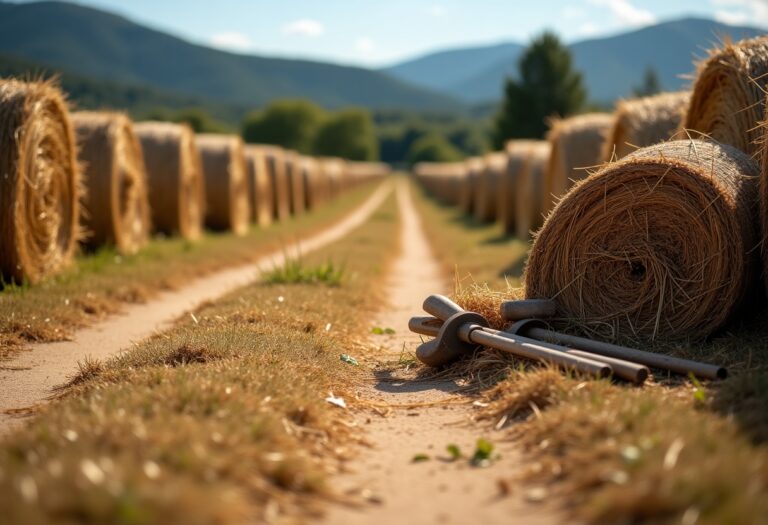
column 294, row 271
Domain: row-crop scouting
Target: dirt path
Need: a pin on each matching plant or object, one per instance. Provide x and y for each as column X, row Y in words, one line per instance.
column 434, row 491
column 27, row 380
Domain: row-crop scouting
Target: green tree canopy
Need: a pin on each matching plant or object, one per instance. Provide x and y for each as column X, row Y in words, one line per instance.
column 433, row 147
column 548, row 85
column 292, row 124
column 650, row 84
column 349, row 134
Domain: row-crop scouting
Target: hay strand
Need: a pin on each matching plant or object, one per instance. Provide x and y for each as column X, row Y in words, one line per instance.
column 226, row 183
column 659, row 244
column 115, row 205
column 39, row 182
column 174, row 178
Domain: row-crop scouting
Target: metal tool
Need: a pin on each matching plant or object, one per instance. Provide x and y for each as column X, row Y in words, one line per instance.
column 537, row 331
column 528, row 309
column 626, row 370
column 463, row 331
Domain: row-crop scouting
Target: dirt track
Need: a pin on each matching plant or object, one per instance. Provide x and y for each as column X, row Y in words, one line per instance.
column 435, row 491
column 27, row 379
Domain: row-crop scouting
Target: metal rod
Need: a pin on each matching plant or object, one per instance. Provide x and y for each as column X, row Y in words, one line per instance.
column 425, row 325
column 441, row 307
column 654, row 360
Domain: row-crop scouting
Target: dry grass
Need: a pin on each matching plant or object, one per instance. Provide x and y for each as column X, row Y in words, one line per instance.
column 220, row 420
column 100, row 283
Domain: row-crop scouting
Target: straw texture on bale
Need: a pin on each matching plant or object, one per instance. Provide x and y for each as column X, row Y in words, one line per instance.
column 529, row 215
column 728, row 100
column 259, row 186
column 644, row 122
column 115, row 204
column 281, row 206
column 660, row 244
column 174, row 178
column 517, row 153
column 39, row 182
column 296, row 189
column 226, row 182
column 577, row 144
column 487, row 186
column 469, row 187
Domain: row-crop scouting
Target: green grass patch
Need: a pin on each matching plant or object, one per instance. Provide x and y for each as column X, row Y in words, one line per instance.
column 295, row 271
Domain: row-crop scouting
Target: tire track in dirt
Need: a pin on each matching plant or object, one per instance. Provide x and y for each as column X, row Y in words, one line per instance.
column 435, row 491
column 28, row 379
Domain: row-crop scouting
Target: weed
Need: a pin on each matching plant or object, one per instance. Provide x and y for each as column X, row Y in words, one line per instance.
column 294, row 271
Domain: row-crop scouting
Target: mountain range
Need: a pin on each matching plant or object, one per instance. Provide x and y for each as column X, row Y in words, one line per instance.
column 98, row 48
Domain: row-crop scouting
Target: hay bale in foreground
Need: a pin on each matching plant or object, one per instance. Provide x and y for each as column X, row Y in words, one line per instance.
column 281, row 205
column 226, row 183
column 577, row 144
column 728, row 100
column 517, row 152
column 473, row 166
column 487, row 186
column 39, row 182
column 259, row 186
column 660, row 244
column 295, row 178
column 645, row 121
column 115, row 206
column 529, row 188
column 174, row 178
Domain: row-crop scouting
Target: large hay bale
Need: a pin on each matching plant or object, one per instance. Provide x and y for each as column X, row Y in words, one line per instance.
column 39, row 181
column 360, row 172
column 226, row 182
column 645, row 121
column 296, row 189
column 728, row 97
column 115, row 206
column 174, row 178
column 260, row 193
column 444, row 180
column 333, row 169
column 487, row 187
column 659, row 244
column 577, row 144
column 281, row 205
column 312, row 178
column 474, row 166
column 517, row 152
column 529, row 189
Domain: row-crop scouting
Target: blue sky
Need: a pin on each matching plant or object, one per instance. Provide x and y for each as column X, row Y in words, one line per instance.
column 375, row 33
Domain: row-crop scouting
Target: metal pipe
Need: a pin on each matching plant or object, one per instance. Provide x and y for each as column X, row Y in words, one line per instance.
column 425, row 325
column 441, row 307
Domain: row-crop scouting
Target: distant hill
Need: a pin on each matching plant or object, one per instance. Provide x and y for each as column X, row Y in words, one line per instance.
column 103, row 46
column 612, row 66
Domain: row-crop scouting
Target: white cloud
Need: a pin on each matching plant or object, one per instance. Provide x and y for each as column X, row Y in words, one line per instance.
column 625, row 13
column 436, row 10
column 587, row 29
column 740, row 12
column 304, row 27
column 231, row 41
column 364, row 45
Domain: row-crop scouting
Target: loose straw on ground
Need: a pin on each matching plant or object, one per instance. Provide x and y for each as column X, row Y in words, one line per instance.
column 528, row 211
column 226, row 182
column 174, row 178
column 259, row 186
column 645, row 121
column 661, row 244
column 487, row 186
column 577, row 144
column 39, row 182
column 728, row 97
column 115, row 205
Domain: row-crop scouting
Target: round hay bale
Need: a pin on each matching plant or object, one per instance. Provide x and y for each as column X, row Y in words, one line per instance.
column 333, row 169
column 487, row 187
column 174, row 178
column 115, row 206
column 259, row 187
column 444, row 180
column 577, row 144
column 529, row 188
column 312, row 180
column 660, row 244
column 517, row 152
column 728, row 100
column 281, row 205
column 295, row 179
column 473, row 167
column 40, row 182
column 226, row 182
column 645, row 121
